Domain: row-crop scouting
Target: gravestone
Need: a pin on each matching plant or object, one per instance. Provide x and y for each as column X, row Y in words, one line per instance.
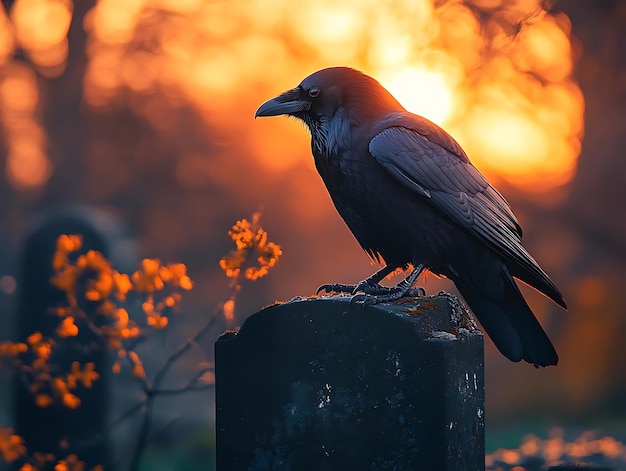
column 330, row 384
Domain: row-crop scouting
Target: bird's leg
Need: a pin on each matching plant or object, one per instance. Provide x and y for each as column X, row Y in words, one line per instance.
column 402, row 289
column 374, row 292
column 369, row 285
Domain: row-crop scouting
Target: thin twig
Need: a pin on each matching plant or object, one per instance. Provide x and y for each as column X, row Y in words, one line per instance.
column 153, row 390
column 143, row 435
column 189, row 388
column 158, row 378
column 125, row 415
column 109, row 428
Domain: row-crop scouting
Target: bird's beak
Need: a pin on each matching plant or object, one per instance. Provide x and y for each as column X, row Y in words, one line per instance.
column 289, row 102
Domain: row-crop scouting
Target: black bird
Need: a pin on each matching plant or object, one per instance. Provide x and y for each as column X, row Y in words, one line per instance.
column 411, row 197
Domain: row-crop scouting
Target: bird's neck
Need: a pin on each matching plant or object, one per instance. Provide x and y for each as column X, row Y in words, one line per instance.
column 330, row 137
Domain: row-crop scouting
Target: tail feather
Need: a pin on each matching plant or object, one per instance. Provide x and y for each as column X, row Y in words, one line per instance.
column 507, row 319
column 540, row 281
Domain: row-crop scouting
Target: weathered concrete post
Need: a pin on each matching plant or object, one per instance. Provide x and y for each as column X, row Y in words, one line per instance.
column 326, row 384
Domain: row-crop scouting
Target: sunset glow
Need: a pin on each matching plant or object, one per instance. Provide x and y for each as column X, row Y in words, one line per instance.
column 502, row 88
column 496, row 91
column 423, row 92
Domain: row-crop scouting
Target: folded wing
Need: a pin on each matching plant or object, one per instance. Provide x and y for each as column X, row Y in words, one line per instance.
column 426, row 160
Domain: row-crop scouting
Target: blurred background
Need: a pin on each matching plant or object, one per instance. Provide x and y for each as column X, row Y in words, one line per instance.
column 144, row 109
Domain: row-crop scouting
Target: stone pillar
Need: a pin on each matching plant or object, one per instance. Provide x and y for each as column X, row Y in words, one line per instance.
column 327, row 384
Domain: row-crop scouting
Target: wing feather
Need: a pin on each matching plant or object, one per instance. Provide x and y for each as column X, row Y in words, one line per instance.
column 434, row 169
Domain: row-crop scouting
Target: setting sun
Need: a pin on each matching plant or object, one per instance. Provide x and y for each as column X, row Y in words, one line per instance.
column 422, row 92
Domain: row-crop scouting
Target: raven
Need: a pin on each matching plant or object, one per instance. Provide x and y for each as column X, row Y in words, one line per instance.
column 412, row 198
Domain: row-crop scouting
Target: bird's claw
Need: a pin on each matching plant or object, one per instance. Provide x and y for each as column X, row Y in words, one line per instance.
column 372, row 293
column 368, row 287
column 395, row 292
column 336, row 288
column 365, row 286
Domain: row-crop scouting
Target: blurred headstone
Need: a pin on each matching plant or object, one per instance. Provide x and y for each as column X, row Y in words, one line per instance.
column 327, row 384
column 57, row 429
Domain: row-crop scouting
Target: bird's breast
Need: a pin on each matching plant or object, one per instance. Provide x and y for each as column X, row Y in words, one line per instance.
column 385, row 218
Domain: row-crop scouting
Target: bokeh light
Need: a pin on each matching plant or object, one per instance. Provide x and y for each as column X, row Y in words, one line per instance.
column 422, row 91
column 41, row 28
column 27, row 164
column 503, row 89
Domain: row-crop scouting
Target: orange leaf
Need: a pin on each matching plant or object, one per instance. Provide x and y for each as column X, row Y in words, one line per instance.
column 67, row 328
column 43, row 400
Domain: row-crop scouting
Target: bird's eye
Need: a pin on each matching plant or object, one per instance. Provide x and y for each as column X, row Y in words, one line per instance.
column 313, row 92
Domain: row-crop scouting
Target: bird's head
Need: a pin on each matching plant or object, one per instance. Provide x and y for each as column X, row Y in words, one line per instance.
column 332, row 92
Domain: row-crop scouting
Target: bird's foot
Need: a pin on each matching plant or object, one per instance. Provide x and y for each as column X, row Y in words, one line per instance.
column 393, row 293
column 387, row 295
column 369, row 291
column 373, row 293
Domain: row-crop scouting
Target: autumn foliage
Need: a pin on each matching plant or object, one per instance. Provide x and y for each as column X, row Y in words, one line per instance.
column 252, row 258
column 253, row 255
column 100, row 299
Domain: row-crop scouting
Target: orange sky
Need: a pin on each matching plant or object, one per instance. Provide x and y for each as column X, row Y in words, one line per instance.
column 503, row 89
